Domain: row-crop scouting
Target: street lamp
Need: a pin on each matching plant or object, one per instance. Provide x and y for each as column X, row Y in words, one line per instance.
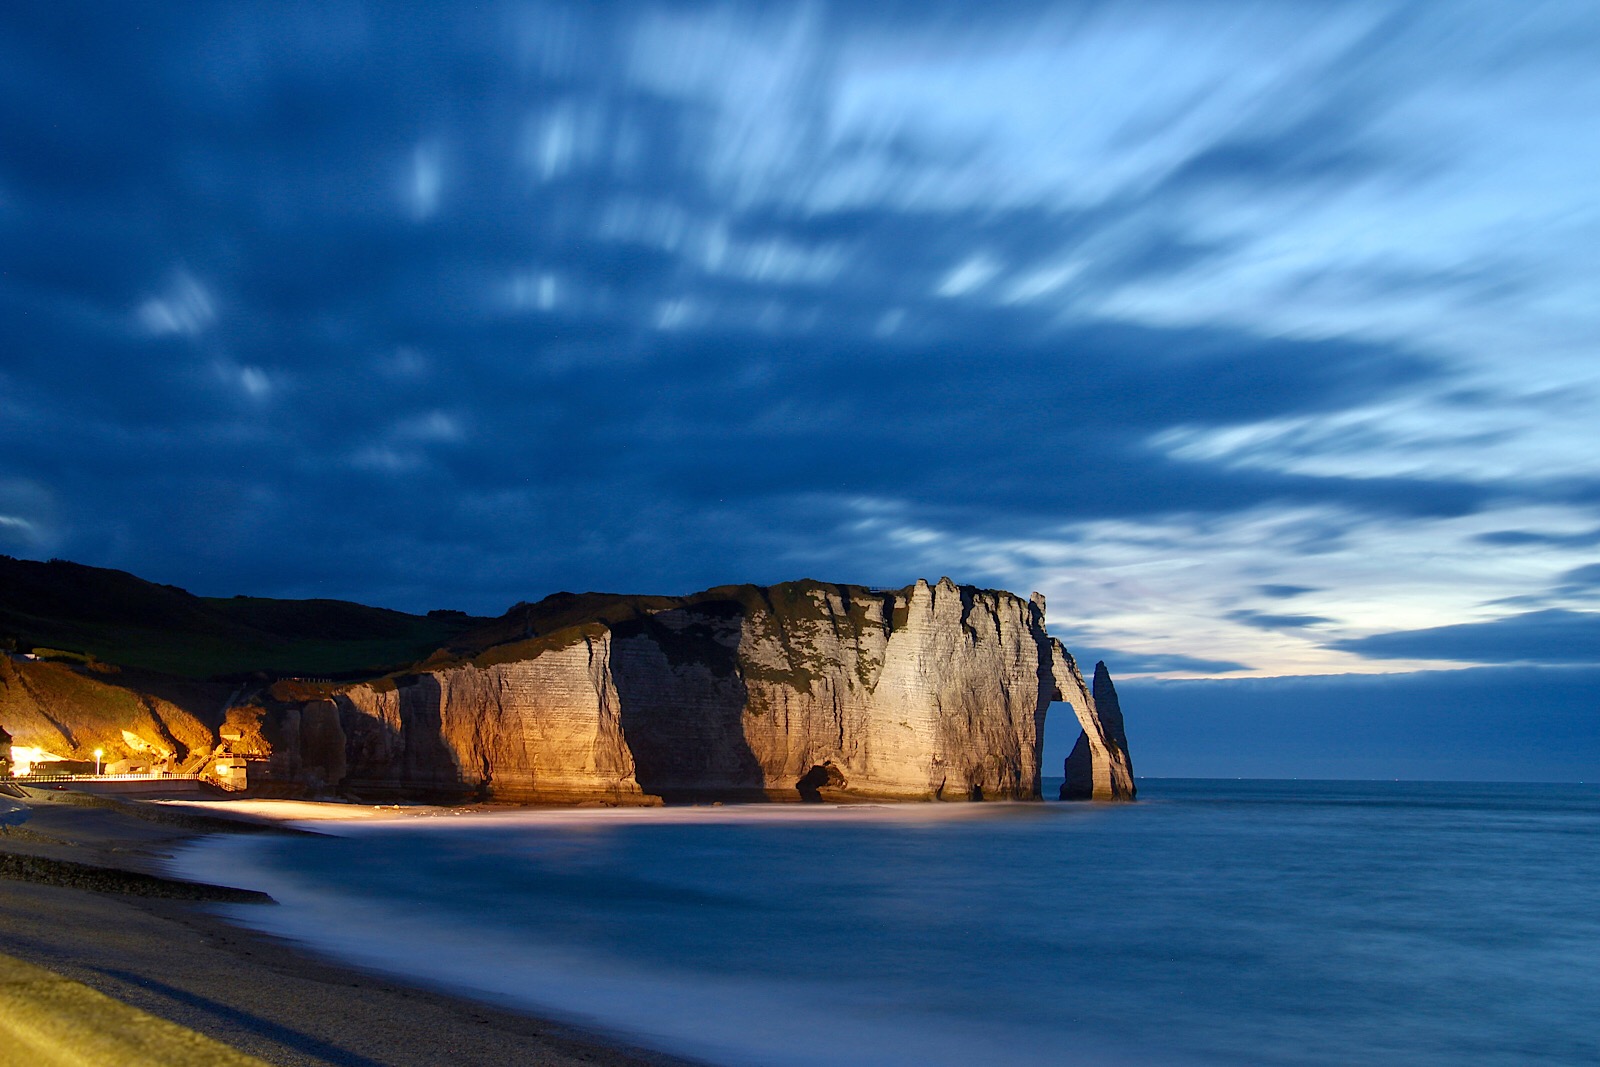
column 97, row 754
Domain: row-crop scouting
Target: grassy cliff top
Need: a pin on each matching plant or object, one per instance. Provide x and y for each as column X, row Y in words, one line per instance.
column 563, row 618
column 564, row 611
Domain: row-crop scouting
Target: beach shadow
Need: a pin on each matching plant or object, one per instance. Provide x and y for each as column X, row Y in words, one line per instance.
column 372, row 748
column 283, row 1035
column 682, row 703
column 412, row 759
column 428, row 760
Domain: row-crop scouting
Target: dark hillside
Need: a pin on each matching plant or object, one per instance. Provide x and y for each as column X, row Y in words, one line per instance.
column 120, row 619
column 557, row 612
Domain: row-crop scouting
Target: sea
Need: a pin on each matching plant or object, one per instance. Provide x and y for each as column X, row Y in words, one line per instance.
column 1211, row 922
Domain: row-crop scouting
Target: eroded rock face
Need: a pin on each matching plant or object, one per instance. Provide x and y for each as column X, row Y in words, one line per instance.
column 543, row 727
column 800, row 690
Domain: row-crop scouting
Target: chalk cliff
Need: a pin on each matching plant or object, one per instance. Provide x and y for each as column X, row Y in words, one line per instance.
column 808, row 689
column 804, row 689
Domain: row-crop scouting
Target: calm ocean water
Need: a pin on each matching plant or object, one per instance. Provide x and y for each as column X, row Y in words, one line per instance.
column 1213, row 922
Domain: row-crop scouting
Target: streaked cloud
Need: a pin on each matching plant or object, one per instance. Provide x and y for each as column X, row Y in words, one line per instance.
column 1266, row 620
column 28, row 517
column 426, row 180
column 970, row 275
column 185, row 309
column 1258, row 338
column 1541, row 538
column 1284, row 592
column 1554, row 635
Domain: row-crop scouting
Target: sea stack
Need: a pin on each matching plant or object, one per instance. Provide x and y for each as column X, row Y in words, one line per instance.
column 1099, row 767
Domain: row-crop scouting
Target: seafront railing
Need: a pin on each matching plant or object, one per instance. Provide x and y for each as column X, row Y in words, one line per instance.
column 28, row 779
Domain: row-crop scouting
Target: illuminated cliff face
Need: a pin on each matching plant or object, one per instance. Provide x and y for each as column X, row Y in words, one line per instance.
column 56, row 711
column 803, row 689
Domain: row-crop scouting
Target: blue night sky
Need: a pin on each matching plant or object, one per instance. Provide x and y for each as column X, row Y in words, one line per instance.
column 1262, row 339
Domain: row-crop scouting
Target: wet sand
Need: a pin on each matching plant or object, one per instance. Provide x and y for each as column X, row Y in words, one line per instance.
column 167, row 956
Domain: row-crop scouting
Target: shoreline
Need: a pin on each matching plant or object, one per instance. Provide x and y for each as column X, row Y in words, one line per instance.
column 317, row 816
column 255, row 993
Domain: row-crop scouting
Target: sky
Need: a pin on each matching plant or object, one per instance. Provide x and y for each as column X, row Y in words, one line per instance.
column 1262, row 339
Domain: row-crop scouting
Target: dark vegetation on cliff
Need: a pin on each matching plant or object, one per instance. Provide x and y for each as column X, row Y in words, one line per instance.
column 562, row 619
column 561, row 612
column 116, row 618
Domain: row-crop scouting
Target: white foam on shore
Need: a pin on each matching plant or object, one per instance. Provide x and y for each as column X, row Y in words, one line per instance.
column 1223, row 923
column 779, row 1021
